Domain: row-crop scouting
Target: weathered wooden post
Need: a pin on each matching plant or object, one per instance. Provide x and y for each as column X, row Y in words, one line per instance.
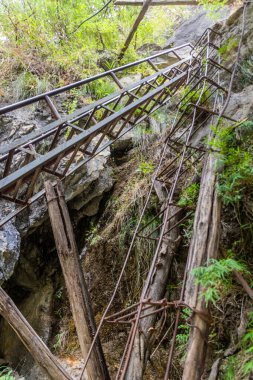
column 144, row 339
column 204, row 245
column 75, row 282
column 30, row 339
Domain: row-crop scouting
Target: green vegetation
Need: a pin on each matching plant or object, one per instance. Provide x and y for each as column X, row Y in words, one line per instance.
column 247, row 344
column 43, row 43
column 217, row 276
column 6, row 373
column 145, row 167
column 183, row 333
column 234, row 144
column 196, row 95
column 213, row 6
column 240, row 365
column 246, row 71
column 189, row 196
column 229, row 47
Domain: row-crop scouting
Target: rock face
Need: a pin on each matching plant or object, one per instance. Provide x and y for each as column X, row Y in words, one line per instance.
column 9, row 250
column 28, row 262
column 35, row 264
column 192, row 29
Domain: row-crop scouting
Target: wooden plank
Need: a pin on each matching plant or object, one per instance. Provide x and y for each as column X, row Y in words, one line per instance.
column 156, row 2
column 75, row 282
column 148, row 326
column 30, row 339
column 204, row 246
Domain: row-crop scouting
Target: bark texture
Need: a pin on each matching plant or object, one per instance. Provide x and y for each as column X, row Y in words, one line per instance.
column 75, row 282
column 144, row 340
column 30, row 339
column 204, row 245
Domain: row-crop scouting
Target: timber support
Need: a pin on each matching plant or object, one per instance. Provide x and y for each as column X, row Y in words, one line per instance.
column 76, row 287
column 30, row 339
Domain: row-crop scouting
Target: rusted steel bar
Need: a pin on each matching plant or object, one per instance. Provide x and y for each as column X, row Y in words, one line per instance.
column 4, row 183
column 156, row 2
column 52, row 107
column 60, row 90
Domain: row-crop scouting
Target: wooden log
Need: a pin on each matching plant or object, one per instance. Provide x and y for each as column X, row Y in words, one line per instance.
column 144, row 340
column 155, row 2
column 134, row 28
column 30, row 339
column 75, row 282
column 204, row 246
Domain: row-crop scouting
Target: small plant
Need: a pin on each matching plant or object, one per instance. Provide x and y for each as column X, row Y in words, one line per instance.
column 183, row 333
column 217, row 276
column 226, row 49
column 246, row 71
column 94, row 236
column 28, row 84
column 59, row 341
column 100, row 88
column 235, row 161
column 71, row 105
column 145, row 168
column 196, row 95
column 247, row 343
column 230, row 368
column 6, row 373
column 189, row 196
column 67, row 133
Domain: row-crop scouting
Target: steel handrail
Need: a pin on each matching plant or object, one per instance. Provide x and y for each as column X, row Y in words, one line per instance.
column 82, row 82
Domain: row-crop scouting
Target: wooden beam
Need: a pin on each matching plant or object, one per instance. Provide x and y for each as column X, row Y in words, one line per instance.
column 134, row 28
column 75, row 283
column 30, row 339
column 204, row 246
column 156, row 2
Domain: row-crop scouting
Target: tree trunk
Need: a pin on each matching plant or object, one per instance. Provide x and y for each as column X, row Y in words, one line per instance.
column 204, row 245
column 144, row 339
column 134, row 28
column 30, row 339
column 75, row 282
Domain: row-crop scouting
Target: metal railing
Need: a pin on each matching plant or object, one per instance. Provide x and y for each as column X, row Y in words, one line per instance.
column 54, row 150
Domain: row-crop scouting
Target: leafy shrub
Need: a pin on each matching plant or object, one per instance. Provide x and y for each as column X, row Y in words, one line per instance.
column 6, row 373
column 235, row 161
column 27, row 84
column 196, row 95
column 145, row 167
column 247, row 344
column 183, row 333
column 240, row 365
column 246, row 71
column 230, row 46
column 189, row 196
column 216, row 277
column 101, row 88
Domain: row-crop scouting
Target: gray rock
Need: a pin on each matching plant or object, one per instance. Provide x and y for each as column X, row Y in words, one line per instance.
column 241, row 104
column 192, row 29
column 9, row 250
column 126, row 81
